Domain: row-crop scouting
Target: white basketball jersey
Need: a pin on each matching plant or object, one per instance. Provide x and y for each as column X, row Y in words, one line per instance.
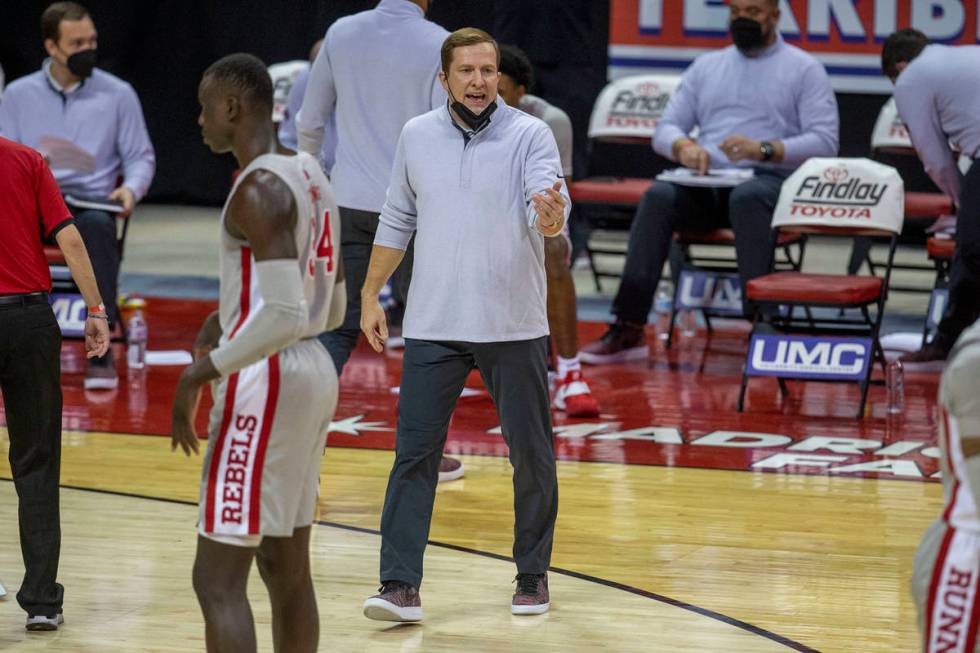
column 960, row 510
column 317, row 236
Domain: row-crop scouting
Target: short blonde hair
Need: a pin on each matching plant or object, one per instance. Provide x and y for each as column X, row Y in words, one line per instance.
column 462, row 38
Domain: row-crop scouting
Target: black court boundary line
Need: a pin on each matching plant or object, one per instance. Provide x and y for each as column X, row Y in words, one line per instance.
column 677, row 603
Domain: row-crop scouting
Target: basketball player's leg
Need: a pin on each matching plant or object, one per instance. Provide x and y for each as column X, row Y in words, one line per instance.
column 220, row 580
column 284, row 564
column 572, row 393
column 290, row 485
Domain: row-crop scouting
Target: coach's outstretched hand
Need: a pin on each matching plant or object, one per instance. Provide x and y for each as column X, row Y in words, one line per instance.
column 550, row 206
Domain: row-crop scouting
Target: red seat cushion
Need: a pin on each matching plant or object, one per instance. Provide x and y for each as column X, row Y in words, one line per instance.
column 927, row 205
column 815, row 288
column 724, row 237
column 54, row 255
column 609, row 190
column 940, row 247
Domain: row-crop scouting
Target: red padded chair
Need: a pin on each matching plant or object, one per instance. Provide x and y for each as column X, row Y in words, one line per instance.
column 940, row 250
column 625, row 113
column 832, row 197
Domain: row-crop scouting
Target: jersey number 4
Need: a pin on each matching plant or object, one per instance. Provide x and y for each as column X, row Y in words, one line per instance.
column 324, row 245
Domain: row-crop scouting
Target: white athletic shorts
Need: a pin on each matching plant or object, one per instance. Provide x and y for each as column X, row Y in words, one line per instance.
column 944, row 586
column 266, row 438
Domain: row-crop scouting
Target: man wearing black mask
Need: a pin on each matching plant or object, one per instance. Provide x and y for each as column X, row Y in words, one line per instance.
column 89, row 126
column 761, row 104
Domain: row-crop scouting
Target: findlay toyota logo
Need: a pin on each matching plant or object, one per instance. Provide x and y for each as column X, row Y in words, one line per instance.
column 640, row 106
column 835, row 193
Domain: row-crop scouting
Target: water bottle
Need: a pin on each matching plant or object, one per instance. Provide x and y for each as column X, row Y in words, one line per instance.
column 663, row 301
column 136, row 335
column 895, row 386
column 688, row 322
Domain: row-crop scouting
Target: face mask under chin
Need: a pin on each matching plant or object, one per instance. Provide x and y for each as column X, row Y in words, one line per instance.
column 474, row 121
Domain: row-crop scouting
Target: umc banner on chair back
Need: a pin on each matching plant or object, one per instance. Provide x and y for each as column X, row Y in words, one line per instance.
column 858, row 194
column 631, row 107
column 890, row 132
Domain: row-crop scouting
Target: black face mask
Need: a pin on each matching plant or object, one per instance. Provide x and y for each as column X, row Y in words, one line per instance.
column 82, row 63
column 747, row 35
column 475, row 121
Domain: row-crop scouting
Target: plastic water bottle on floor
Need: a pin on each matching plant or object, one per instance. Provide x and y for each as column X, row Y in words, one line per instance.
column 663, row 302
column 688, row 323
column 895, row 386
column 136, row 336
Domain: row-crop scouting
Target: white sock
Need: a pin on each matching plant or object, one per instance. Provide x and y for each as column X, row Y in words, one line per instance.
column 566, row 365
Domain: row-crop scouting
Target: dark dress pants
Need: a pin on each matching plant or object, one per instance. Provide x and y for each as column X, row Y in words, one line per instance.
column 667, row 207
column 30, row 378
column 964, row 273
column 433, row 375
column 356, row 240
column 98, row 230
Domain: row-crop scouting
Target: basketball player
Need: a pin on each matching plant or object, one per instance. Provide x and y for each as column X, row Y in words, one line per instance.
column 947, row 565
column 281, row 285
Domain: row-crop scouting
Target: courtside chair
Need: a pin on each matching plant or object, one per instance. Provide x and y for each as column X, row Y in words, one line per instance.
column 841, row 198
column 624, row 118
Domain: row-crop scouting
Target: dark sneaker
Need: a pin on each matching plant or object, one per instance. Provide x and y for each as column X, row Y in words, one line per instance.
column 450, row 469
column 927, row 354
column 572, row 395
column 40, row 622
column 101, row 377
column 395, row 601
column 622, row 342
column 532, row 595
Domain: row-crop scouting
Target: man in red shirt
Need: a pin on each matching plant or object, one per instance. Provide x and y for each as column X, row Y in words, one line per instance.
column 31, row 210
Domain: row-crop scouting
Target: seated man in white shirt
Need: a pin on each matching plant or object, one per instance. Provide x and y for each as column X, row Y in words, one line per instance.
column 572, row 393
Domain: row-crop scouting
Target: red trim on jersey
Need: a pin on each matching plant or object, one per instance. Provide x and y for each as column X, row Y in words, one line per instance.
column 244, row 302
column 255, row 494
column 971, row 633
column 218, row 452
column 937, row 575
column 948, row 512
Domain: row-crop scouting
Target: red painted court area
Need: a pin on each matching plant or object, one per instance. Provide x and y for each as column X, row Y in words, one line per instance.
column 676, row 410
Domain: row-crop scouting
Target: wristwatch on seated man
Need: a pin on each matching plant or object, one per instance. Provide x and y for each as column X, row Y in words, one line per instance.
column 767, row 150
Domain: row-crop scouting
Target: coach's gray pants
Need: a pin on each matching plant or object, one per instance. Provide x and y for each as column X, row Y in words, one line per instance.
column 433, row 375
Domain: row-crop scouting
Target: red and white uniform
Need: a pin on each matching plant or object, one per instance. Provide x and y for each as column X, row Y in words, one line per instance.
column 946, row 573
column 268, row 426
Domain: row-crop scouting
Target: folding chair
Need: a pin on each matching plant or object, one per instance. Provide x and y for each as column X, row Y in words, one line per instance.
column 624, row 116
column 832, row 197
column 940, row 250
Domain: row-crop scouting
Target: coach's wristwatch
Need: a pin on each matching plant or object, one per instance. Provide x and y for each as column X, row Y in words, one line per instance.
column 767, row 150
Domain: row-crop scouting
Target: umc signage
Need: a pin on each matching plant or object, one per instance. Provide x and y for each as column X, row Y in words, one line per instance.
column 809, row 357
column 718, row 293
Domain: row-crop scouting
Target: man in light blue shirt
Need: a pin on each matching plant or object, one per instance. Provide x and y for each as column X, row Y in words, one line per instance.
column 937, row 91
column 760, row 103
column 89, row 125
column 479, row 185
column 376, row 70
